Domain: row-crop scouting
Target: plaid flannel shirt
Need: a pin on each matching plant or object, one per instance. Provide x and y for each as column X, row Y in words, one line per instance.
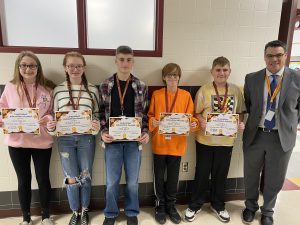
column 140, row 101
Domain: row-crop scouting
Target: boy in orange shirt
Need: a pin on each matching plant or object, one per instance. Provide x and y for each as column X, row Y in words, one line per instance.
column 167, row 150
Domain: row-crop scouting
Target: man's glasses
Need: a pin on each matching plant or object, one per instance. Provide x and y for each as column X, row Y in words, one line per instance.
column 31, row 67
column 73, row 67
column 277, row 56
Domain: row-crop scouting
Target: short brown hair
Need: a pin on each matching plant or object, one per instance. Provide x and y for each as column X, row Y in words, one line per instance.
column 222, row 61
column 170, row 67
column 275, row 44
column 124, row 49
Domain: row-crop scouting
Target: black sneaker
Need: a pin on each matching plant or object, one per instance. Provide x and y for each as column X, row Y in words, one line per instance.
column 266, row 220
column 132, row 220
column 75, row 218
column 160, row 215
column 248, row 216
column 84, row 217
column 109, row 221
column 174, row 215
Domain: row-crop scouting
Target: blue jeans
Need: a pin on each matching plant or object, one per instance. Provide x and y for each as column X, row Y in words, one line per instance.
column 77, row 156
column 116, row 155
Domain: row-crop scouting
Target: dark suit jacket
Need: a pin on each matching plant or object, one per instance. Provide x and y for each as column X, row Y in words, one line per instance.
column 288, row 106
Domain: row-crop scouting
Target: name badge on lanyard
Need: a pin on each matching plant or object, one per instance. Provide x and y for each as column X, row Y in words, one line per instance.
column 168, row 137
column 270, row 114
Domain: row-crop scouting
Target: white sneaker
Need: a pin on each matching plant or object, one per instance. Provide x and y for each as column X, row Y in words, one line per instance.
column 26, row 223
column 47, row 221
column 223, row 215
column 190, row 215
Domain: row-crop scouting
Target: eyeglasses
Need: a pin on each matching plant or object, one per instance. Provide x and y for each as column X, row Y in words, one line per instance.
column 277, row 56
column 172, row 75
column 73, row 67
column 31, row 67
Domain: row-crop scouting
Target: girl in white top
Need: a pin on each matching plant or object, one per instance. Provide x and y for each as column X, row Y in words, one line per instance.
column 77, row 151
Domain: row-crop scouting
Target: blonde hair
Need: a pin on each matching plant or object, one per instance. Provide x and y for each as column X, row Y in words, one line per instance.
column 40, row 78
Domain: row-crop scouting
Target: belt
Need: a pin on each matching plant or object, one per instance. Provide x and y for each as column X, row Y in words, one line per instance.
column 263, row 129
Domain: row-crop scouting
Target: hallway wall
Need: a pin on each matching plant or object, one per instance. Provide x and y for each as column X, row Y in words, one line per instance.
column 195, row 32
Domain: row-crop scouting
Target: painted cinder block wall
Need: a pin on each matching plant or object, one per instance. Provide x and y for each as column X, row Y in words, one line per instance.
column 195, row 32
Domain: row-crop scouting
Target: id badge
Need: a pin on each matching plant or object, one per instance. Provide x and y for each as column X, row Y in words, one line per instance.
column 270, row 114
column 168, row 137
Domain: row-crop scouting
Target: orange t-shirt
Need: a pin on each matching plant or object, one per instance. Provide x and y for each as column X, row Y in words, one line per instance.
column 184, row 104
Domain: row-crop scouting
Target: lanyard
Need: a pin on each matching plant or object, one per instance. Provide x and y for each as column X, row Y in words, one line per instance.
column 221, row 107
column 33, row 103
column 167, row 102
column 75, row 106
column 122, row 96
column 274, row 94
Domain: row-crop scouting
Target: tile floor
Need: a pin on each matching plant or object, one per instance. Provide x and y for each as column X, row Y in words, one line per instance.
column 287, row 209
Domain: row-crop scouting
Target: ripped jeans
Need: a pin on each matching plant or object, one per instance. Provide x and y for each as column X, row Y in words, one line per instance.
column 77, row 155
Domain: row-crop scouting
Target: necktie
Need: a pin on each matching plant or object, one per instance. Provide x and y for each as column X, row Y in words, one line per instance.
column 270, row 124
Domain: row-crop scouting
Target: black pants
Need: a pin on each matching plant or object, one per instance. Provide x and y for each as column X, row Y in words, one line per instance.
column 214, row 161
column 21, row 158
column 166, row 191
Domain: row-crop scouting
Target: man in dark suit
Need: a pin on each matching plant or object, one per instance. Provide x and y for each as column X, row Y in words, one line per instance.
column 272, row 97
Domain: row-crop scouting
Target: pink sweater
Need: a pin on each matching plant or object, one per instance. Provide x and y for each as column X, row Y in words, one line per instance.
column 11, row 99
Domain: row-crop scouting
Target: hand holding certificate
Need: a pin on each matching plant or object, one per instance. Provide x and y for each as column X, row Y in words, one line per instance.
column 222, row 124
column 174, row 124
column 20, row 120
column 73, row 122
column 125, row 128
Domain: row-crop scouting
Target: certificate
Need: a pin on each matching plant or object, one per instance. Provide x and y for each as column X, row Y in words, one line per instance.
column 73, row 122
column 125, row 128
column 20, row 120
column 222, row 124
column 174, row 124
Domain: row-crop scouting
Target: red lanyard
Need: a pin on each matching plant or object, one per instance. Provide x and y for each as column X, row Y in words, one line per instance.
column 33, row 103
column 221, row 107
column 167, row 102
column 75, row 107
column 122, row 96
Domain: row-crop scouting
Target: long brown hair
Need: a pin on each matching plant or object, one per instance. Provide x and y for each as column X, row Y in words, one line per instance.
column 40, row 78
column 83, row 77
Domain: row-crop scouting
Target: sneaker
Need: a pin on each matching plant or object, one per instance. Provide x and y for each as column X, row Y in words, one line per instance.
column 47, row 221
column 190, row 214
column 84, row 217
column 109, row 221
column 160, row 215
column 132, row 220
column 26, row 223
column 266, row 220
column 174, row 215
column 248, row 216
column 223, row 215
column 74, row 219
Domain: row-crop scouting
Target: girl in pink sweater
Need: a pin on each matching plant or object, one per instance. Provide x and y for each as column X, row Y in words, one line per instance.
column 30, row 89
